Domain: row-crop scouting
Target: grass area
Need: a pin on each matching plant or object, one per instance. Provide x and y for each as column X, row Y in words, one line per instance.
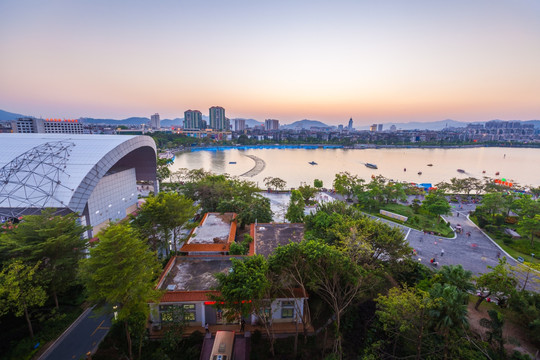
column 506, row 243
column 418, row 221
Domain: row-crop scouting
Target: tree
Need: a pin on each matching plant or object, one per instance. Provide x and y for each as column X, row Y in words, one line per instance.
column 499, row 281
column 275, row 183
column 162, row 216
column 20, row 290
column 295, row 211
column 163, row 171
column 247, row 290
column 307, row 192
column 318, row 183
column 435, row 203
column 121, row 271
column 251, row 208
column 455, row 275
column 404, row 315
column 288, row 265
column 493, row 203
column 336, row 278
column 56, row 242
column 344, row 184
column 530, row 226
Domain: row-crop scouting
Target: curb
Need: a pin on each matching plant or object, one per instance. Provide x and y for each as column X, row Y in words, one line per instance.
column 497, row 245
column 64, row 334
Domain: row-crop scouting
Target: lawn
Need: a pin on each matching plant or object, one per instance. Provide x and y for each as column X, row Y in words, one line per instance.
column 425, row 222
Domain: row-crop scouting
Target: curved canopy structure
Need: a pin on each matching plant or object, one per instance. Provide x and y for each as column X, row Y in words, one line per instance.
column 60, row 171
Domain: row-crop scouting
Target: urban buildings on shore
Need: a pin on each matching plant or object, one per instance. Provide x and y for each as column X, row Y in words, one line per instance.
column 271, row 124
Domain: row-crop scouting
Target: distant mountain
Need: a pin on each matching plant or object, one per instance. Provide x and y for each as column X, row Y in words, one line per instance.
column 304, row 124
column 7, row 116
column 173, row 122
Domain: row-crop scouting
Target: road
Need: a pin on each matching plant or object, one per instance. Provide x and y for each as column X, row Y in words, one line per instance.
column 83, row 336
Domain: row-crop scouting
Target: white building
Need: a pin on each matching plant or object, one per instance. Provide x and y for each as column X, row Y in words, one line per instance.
column 155, row 123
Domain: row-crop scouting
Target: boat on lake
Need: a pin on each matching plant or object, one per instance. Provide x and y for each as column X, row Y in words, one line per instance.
column 497, row 173
column 312, row 163
column 419, row 173
column 232, row 162
column 460, row 171
column 371, row 166
column 429, row 164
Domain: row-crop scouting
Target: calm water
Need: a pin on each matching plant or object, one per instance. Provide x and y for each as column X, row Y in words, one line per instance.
column 519, row 165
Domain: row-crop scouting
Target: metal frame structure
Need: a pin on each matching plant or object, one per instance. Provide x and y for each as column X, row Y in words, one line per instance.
column 30, row 181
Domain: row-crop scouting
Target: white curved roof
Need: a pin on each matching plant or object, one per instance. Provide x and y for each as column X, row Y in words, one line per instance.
column 70, row 171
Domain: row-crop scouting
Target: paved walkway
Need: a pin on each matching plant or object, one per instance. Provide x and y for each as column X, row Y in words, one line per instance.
column 475, row 252
column 83, row 336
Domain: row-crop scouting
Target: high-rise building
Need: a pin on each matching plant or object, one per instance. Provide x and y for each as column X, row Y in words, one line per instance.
column 379, row 128
column 271, row 124
column 47, row 126
column 239, row 124
column 193, row 120
column 155, row 122
column 217, row 118
column 373, row 128
column 350, row 124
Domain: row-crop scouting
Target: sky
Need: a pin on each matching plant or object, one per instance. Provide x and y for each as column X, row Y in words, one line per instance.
column 375, row 61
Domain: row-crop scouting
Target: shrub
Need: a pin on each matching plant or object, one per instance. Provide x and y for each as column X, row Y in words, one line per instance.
column 499, row 219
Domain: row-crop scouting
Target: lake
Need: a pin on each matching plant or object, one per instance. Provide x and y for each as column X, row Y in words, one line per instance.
column 519, row 165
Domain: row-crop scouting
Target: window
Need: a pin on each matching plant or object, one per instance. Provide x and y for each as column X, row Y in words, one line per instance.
column 174, row 313
column 287, row 309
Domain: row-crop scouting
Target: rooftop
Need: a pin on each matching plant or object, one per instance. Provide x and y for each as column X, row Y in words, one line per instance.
column 268, row 237
column 214, row 234
column 193, row 273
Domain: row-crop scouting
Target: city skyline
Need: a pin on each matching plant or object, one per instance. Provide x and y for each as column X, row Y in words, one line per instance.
column 375, row 62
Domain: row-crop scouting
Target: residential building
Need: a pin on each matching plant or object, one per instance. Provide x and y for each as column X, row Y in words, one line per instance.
column 217, row 118
column 271, row 124
column 47, row 126
column 155, row 123
column 380, row 127
column 193, row 120
column 239, row 124
column 350, row 124
column 373, row 128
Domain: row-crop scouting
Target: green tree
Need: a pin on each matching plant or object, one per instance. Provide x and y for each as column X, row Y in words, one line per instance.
column 163, row 172
column 162, row 216
column 530, row 226
column 455, row 275
column 336, row 278
column 499, row 282
column 55, row 241
column 435, row 203
column 121, row 271
column 307, row 192
column 275, row 183
column 250, row 208
column 20, row 290
column 247, row 290
column 404, row 315
column 318, row 183
column 295, row 211
column 493, row 203
column 344, row 184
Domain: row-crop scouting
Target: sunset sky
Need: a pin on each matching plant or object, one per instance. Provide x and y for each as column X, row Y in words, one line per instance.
column 374, row 61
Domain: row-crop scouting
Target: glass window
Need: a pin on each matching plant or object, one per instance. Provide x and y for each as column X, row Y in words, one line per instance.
column 287, row 313
column 170, row 313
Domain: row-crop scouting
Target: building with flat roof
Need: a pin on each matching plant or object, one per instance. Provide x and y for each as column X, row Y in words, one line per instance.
column 193, row 120
column 95, row 176
column 155, row 123
column 271, row 124
column 188, row 283
column 47, row 126
column 217, row 118
column 267, row 237
column 213, row 236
